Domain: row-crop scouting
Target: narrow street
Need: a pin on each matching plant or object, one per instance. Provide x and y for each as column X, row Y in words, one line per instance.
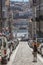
column 21, row 29
column 23, row 56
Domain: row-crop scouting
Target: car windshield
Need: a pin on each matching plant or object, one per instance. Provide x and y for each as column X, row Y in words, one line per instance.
column 40, row 40
column 0, row 43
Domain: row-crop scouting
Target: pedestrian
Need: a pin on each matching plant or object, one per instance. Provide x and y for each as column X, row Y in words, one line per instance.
column 35, row 52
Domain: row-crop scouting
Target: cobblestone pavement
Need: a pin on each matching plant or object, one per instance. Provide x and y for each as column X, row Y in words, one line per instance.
column 24, row 56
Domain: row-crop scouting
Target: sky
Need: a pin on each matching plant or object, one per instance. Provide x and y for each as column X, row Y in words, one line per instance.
column 20, row 0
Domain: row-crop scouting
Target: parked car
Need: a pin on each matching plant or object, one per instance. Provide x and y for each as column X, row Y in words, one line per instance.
column 30, row 43
column 13, row 44
column 40, row 48
column 19, row 38
column 16, row 42
column 25, row 37
column 10, row 45
column 4, row 53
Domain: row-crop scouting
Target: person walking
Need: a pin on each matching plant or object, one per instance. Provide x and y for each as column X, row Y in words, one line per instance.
column 35, row 52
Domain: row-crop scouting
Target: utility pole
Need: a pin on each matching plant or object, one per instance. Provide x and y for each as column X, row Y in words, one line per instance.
column 0, row 15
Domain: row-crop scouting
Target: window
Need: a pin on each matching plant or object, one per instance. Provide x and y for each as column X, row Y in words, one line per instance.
column 34, row 2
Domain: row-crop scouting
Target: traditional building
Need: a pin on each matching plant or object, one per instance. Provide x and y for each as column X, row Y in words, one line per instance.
column 38, row 4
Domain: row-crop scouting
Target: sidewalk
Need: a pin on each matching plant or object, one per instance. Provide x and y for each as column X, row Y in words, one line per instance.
column 23, row 56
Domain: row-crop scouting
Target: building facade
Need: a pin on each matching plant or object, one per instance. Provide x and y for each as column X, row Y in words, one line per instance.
column 2, row 4
column 39, row 17
column 38, row 4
